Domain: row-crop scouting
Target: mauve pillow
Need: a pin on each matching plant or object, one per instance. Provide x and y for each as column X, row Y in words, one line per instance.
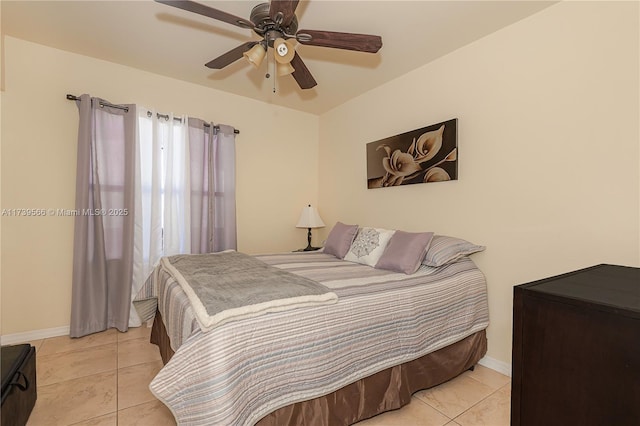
column 405, row 251
column 340, row 239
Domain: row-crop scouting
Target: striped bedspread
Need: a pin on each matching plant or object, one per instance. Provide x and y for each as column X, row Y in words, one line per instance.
column 239, row 372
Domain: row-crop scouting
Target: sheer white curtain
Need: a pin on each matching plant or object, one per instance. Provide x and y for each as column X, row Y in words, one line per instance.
column 162, row 194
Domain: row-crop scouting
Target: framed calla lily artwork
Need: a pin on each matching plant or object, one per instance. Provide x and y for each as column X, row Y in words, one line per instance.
column 425, row 155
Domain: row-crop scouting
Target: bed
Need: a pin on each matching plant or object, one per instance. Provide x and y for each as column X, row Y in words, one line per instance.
column 387, row 336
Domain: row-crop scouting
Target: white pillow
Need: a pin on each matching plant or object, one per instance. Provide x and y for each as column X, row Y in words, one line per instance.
column 369, row 245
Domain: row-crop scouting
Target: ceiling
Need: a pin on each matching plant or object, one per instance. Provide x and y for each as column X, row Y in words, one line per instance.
column 172, row 42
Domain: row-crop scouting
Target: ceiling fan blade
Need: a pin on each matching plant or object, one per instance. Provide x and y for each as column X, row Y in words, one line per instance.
column 285, row 7
column 302, row 74
column 210, row 12
column 348, row 41
column 231, row 56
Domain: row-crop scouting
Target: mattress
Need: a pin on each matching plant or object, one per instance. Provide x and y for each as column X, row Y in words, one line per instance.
column 243, row 370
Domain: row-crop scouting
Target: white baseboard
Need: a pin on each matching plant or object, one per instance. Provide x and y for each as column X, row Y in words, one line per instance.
column 28, row 336
column 494, row 364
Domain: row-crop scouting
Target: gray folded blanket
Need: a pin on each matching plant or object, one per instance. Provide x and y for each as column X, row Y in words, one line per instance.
column 230, row 285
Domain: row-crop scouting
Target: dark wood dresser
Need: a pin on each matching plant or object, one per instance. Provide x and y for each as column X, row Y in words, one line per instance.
column 576, row 349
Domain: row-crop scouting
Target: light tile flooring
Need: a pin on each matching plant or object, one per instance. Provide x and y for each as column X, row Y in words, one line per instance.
column 102, row 380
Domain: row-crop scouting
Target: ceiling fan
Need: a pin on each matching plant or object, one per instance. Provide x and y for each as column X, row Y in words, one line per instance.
column 275, row 23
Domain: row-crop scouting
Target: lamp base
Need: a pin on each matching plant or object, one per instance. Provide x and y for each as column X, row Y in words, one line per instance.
column 308, row 248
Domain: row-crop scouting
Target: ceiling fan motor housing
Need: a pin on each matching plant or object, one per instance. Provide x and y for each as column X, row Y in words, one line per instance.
column 265, row 26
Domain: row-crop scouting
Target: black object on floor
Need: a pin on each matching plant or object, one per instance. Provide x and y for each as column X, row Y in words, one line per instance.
column 18, row 365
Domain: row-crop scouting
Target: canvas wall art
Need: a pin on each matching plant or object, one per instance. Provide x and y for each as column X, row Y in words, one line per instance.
column 429, row 154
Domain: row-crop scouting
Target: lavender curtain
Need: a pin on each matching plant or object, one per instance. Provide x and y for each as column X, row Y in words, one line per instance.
column 224, row 188
column 212, row 177
column 104, row 227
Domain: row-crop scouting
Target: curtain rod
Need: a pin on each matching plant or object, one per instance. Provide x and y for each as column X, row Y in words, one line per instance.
column 126, row 109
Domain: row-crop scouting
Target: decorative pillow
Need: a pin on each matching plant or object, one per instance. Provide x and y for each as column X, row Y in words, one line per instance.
column 340, row 239
column 405, row 251
column 444, row 249
column 369, row 245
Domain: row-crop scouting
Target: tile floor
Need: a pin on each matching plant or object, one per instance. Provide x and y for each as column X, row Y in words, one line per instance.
column 102, row 380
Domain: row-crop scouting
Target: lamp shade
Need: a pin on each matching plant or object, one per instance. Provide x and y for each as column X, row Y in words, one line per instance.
column 310, row 218
column 255, row 55
column 284, row 51
column 284, row 69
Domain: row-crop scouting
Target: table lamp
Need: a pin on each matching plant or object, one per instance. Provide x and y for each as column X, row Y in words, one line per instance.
column 310, row 219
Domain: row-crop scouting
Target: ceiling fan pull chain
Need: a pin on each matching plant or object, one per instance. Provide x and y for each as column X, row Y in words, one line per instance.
column 267, row 75
column 273, row 65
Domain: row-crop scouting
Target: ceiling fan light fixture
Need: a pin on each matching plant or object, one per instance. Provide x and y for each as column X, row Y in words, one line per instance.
column 284, row 51
column 284, row 68
column 255, row 55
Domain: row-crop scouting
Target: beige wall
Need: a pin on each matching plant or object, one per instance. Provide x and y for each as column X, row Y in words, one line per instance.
column 38, row 167
column 549, row 168
column 548, row 150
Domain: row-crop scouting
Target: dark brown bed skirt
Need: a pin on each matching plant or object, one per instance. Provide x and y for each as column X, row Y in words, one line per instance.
column 387, row 390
